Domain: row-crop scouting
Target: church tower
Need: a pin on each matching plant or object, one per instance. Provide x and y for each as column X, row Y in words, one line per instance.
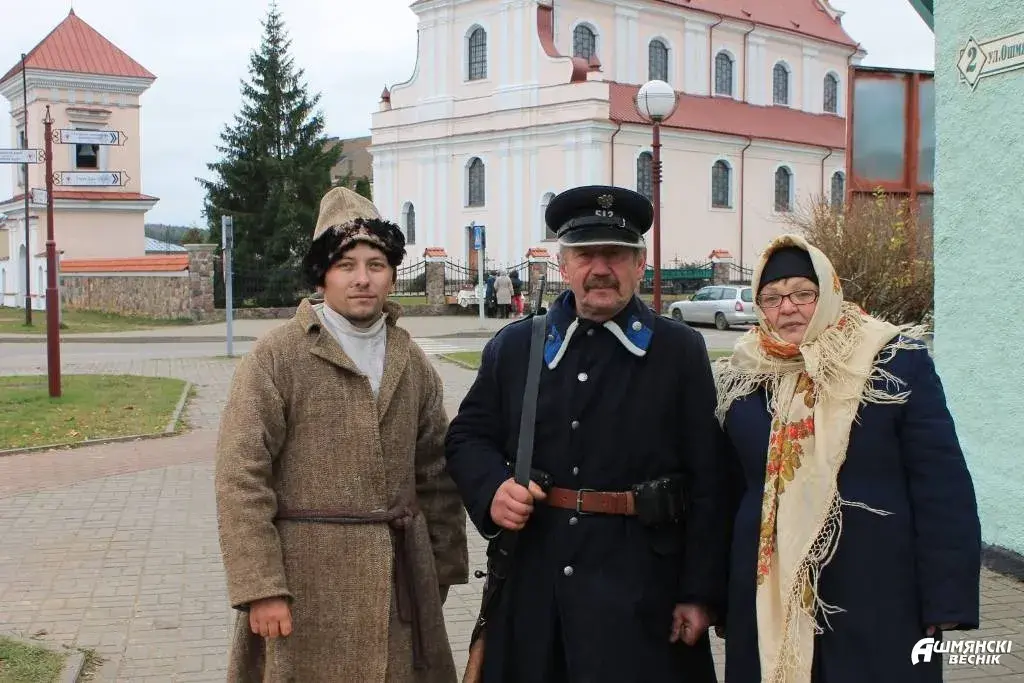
column 89, row 84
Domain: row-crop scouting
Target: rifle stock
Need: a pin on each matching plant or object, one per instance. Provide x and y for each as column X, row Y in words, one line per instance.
column 475, row 667
column 540, row 295
column 501, row 549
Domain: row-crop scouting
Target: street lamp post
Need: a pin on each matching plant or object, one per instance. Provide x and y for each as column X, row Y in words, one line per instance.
column 656, row 101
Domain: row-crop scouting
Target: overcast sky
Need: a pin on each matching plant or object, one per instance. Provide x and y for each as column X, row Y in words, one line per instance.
column 199, row 50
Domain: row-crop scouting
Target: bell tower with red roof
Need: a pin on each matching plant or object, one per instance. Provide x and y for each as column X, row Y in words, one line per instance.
column 89, row 84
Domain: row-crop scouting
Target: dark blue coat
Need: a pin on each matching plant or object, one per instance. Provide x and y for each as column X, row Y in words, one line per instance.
column 607, row 418
column 893, row 575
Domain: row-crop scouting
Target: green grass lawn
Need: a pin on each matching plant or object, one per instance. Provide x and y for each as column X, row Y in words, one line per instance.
column 90, row 407
column 12, row 321
column 21, row 663
column 469, row 358
column 472, row 358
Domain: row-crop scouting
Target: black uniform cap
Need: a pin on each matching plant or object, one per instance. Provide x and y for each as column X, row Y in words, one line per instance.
column 600, row 215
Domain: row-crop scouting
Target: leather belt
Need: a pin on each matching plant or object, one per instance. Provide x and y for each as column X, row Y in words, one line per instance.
column 398, row 518
column 592, row 502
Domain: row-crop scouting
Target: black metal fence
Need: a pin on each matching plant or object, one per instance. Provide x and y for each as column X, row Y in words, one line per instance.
column 739, row 275
column 458, row 276
column 412, row 279
column 267, row 287
column 554, row 284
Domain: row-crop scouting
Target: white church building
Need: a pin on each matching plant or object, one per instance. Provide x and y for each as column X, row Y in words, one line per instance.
column 513, row 101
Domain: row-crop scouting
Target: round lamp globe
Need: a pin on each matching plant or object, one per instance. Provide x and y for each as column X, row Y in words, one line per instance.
column 656, row 100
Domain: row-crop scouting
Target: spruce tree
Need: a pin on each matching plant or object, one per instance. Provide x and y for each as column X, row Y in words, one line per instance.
column 274, row 169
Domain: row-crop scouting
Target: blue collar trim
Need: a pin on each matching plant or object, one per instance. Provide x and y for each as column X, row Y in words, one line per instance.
column 633, row 327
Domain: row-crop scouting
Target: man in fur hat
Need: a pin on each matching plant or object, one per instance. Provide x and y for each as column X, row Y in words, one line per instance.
column 339, row 528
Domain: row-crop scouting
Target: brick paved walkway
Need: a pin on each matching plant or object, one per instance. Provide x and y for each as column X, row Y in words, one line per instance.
column 115, row 548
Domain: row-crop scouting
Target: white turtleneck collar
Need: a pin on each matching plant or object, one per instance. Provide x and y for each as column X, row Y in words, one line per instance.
column 365, row 346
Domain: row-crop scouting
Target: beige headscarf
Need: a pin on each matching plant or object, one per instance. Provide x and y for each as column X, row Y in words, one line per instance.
column 815, row 390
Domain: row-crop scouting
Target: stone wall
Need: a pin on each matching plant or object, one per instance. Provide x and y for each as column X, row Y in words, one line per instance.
column 200, row 278
column 170, row 295
column 149, row 296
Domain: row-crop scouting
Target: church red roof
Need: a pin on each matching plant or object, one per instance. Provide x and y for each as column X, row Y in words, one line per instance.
column 75, row 46
column 727, row 116
column 806, row 17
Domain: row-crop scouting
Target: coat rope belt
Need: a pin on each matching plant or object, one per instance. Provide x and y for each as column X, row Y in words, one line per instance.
column 398, row 518
column 593, row 502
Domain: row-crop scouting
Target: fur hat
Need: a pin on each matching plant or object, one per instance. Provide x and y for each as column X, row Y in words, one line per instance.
column 341, row 207
column 345, row 219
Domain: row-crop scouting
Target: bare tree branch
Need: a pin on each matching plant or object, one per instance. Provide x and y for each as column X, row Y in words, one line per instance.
column 882, row 254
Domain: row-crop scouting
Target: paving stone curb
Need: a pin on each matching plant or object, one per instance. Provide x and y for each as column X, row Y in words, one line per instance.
column 1003, row 561
column 461, row 364
column 36, row 339
column 172, row 425
column 169, row 430
column 74, row 660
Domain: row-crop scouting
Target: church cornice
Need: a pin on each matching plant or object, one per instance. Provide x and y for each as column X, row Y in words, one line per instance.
column 65, row 80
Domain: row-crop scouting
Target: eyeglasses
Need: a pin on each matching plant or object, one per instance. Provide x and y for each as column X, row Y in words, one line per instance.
column 800, row 298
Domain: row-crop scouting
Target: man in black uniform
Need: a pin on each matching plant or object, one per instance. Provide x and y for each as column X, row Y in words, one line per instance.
column 620, row 567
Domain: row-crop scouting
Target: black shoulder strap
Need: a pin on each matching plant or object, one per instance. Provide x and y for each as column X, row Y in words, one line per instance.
column 528, row 420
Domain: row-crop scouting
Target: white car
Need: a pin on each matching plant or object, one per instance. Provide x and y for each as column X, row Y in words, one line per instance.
column 721, row 305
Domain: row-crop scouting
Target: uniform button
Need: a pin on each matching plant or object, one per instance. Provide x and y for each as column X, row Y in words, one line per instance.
column 590, row 332
column 582, row 377
column 567, row 571
column 575, row 424
column 575, row 470
column 637, row 326
column 573, row 521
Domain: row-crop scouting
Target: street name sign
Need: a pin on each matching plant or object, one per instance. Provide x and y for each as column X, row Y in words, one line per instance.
column 21, row 156
column 91, row 178
column 70, row 136
column 997, row 56
column 38, row 196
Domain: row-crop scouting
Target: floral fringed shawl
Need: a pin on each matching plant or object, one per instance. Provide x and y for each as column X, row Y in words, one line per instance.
column 814, row 391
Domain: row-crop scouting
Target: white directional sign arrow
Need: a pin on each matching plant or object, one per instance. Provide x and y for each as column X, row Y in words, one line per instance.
column 92, row 178
column 981, row 60
column 21, row 156
column 70, row 136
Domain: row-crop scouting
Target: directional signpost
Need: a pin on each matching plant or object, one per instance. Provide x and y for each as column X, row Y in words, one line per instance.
column 24, row 156
column 92, row 178
column 21, row 156
column 88, row 137
column 52, row 295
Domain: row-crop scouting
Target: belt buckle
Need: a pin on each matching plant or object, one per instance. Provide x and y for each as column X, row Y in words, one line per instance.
column 579, row 501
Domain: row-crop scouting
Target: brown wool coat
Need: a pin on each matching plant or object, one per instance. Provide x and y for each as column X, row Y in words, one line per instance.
column 301, row 430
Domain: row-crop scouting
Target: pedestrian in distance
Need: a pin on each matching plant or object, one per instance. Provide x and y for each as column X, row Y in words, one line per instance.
column 340, row 530
column 503, row 293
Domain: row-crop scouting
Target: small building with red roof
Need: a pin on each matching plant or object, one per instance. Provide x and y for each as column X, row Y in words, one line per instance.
column 89, row 84
column 510, row 103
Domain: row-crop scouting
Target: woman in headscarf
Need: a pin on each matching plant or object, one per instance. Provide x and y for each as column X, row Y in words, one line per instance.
column 856, row 531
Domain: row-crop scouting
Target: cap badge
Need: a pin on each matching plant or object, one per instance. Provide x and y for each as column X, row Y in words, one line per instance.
column 605, row 201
